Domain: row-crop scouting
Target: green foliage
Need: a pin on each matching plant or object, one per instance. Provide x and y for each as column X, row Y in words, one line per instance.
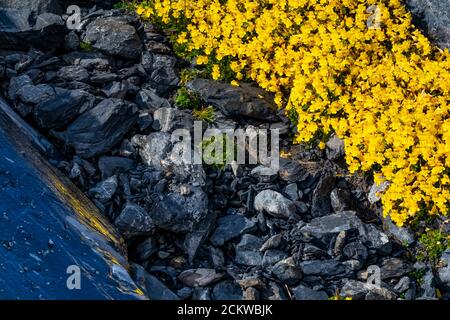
column 209, row 145
column 432, row 244
column 86, row 46
column 187, row 75
column 418, row 275
column 205, row 114
column 124, row 4
column 186, row 99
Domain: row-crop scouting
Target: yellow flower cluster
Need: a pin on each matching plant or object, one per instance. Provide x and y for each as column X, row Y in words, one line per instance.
column 355, row 67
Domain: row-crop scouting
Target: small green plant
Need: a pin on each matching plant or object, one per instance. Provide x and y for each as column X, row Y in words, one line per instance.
column 127, row 5
column 86, row 46
column 418, row 275
column 186, row 99
column 205, row 114
column 187, row 75
column 433, row 243
column 213, row 144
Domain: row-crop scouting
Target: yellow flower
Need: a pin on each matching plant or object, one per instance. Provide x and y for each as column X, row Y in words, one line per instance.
column 216, row 72
column 202, row 60
column 389, row 103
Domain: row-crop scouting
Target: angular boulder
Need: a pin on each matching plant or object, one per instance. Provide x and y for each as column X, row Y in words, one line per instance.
column 246, row 100
column 115, row 37
column 181, row 213
column 22, row 29
column 99, row 129
column 61, row 109
column 433, row 17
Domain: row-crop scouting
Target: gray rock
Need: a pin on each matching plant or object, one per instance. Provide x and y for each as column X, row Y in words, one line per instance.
column 335, row 148
column 273, row 242
column 433, row 16
column 358, row 290
column 100, row 128
column 200, row 277
column 281, row 126
column 274, row 292
column 272, row 257
column 443, row 271
column 376, row 190
column 72, row 41
column 230, row 227
column 402, row 234
column 291, row 171
column 341, row 200
column 36, row 6
column 114, row 165
column 195, row 239
column 105, row 190
column 356, row 251
column 59, row 110
column 201, row 294
column 252, row 281
column 302, row 207
column 302, row 292
column 324, row 228
column 251, row 294
column 328, row 269
column 21, row 29
column 153, row 148
column 154, row 288
column 403, row 285
column 375, row 239
column 149, row 100
column 321, row 203
column 88, row 60
column 291, row 190
column 354, row 265
column 428, row 284
column 35, row 94
column 73, row 73
column 146, row 248
column 184, row 293
column 116, row 89
column 178, row 213
column 287, row 271
column 394, row 268
column 217, row 257
column 115, row 37
column 179, row 162
column 264, row 174
column 275, row 204
column 161, row 73
column 227, row 290
column 247, row 251
column 311, row 252
column 134, row 221
column 246, row 100
column 16, row 83
column 103, row 78
column 169, row 119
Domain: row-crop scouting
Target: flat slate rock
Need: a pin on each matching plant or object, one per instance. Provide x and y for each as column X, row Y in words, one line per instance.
column 246, row 100
column 432, row 16
column 99, row 129
column 21, row 30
